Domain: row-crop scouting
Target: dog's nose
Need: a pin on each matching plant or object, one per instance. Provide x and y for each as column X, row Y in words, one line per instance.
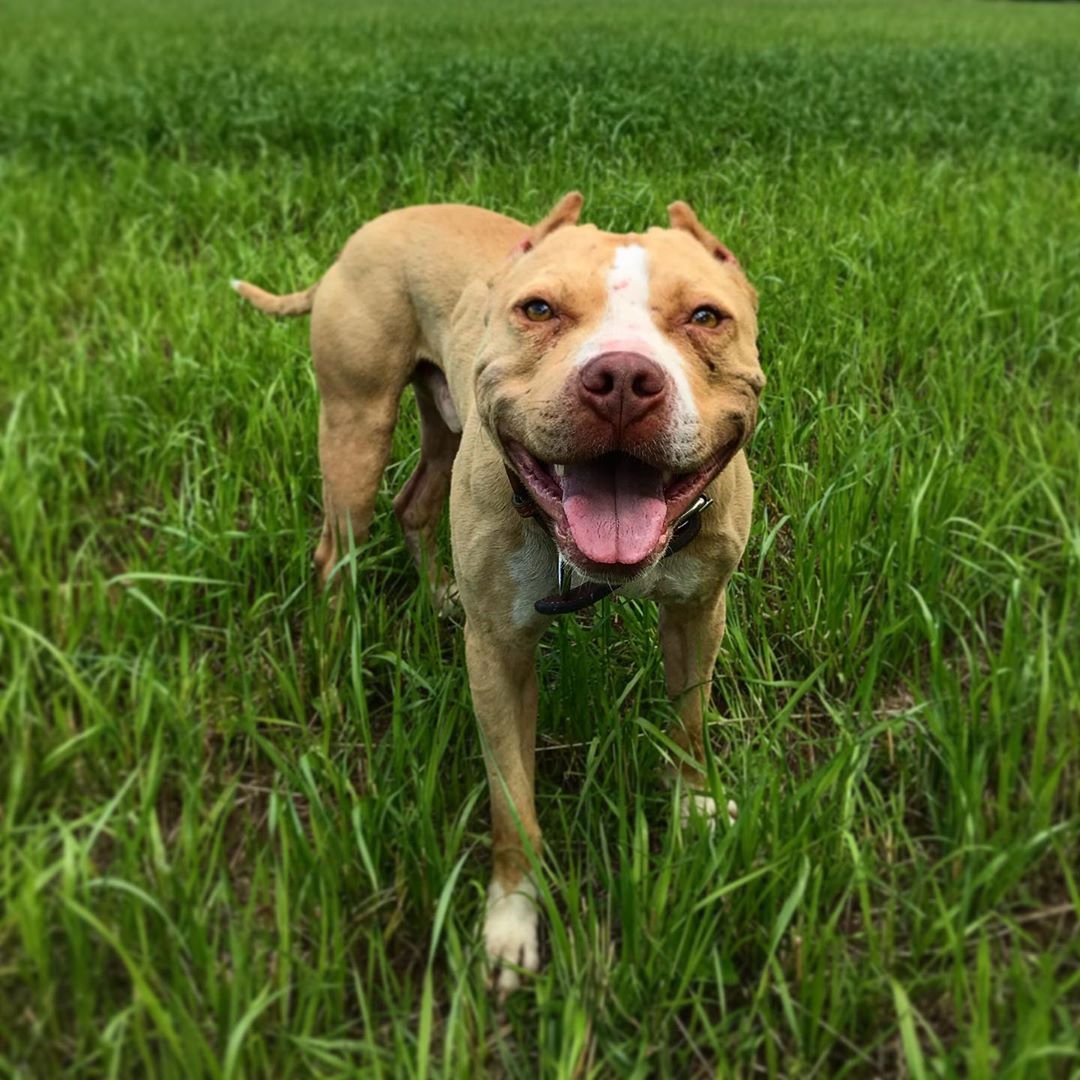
column 621, row 387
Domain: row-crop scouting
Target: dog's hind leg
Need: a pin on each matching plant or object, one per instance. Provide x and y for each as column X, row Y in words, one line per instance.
column 354, row 447
column 361, row 370
column 419, row 504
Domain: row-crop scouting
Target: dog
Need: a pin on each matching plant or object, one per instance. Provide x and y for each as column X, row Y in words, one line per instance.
column 585, row 398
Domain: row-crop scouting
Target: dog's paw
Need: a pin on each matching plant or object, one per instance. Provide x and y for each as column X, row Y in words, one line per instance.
column 511, row 935
column 447, row 600
column 694, row 804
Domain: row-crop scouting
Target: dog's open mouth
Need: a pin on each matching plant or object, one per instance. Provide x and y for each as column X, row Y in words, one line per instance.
column 612, row 514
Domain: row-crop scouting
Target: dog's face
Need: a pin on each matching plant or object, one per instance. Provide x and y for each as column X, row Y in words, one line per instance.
column 619, row 375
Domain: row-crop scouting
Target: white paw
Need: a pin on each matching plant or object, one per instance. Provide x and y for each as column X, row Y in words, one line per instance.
column 694, row 804
column 511, row 935
column 447, row 599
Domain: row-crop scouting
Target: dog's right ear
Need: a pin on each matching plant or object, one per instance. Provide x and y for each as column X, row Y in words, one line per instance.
column 565, row 212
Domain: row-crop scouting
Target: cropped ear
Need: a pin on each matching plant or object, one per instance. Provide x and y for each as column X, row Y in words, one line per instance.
column 682, row 216
column 565, row 212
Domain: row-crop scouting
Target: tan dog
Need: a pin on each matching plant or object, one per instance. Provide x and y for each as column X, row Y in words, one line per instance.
column 598, row 384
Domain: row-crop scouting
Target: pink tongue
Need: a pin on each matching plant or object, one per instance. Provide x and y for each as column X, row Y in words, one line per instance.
column 615, row 509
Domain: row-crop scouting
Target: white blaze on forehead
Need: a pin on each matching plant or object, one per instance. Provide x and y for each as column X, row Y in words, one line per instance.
column 627, row 326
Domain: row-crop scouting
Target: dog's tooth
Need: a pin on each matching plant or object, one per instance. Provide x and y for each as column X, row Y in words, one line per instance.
column 666, row 476
column 559, row 470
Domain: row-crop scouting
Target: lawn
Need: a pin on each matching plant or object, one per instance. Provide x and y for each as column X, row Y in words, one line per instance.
column 243, row 828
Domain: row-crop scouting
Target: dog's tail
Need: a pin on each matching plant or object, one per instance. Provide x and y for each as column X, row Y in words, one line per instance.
column 297, row 303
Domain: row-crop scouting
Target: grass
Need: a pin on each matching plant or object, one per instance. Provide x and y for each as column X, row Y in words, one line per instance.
column 243, row 829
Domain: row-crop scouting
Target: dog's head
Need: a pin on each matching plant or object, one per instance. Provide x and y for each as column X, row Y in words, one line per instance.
column 618, row 374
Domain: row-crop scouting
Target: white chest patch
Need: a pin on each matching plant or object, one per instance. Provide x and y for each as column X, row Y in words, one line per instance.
column 535, row 570
column 627, row 325
column 676, row 580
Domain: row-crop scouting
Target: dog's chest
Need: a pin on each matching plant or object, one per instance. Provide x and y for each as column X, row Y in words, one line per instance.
column 675, row 580
column 534, row 568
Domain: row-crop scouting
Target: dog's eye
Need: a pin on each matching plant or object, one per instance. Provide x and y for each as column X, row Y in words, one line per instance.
column 707, row 317
column 538, row 310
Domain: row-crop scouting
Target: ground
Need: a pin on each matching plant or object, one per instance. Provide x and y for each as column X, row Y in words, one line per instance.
column 243, row 829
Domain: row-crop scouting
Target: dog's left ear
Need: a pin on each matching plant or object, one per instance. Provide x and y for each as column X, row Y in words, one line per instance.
column 681, row 216
column 565, row 212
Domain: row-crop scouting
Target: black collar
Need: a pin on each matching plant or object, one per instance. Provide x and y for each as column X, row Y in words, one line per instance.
column 566, row 599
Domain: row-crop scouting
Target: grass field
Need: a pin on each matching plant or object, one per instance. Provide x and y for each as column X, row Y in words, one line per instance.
column 243, row 830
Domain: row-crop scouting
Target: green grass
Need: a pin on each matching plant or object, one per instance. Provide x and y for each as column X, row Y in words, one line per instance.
column 243, row 829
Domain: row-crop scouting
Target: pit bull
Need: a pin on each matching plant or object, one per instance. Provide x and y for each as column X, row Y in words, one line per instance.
column 584, row 399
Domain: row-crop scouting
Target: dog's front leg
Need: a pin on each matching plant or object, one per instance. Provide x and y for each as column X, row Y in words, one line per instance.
column 502, row 677
column 690, row 636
